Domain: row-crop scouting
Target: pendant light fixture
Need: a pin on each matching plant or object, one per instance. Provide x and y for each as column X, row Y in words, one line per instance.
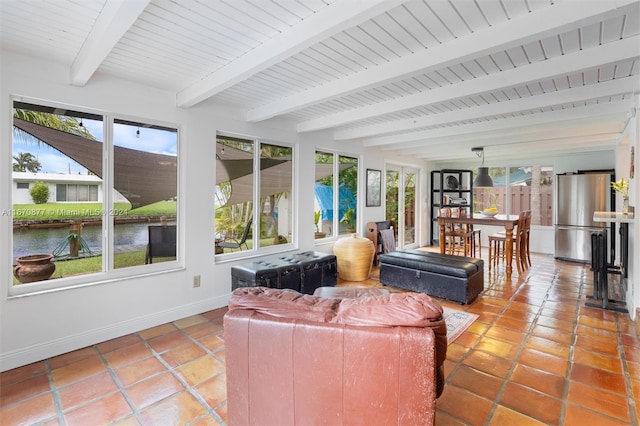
column 483, row 180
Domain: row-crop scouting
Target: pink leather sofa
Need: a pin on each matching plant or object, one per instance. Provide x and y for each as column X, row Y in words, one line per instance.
column 300, row 359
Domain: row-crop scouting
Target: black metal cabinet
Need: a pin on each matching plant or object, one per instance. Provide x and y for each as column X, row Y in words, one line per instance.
column 449, row 188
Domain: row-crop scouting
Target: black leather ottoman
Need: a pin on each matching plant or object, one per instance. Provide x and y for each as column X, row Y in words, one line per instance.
column 455, row 278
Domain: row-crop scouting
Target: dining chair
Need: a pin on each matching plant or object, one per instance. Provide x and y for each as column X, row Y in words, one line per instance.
column 520, row 244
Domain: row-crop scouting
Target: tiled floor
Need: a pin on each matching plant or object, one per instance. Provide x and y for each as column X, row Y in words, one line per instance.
column 536, row 355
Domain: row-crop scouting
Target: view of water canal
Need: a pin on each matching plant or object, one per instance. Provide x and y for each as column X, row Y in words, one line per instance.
column 45, row 240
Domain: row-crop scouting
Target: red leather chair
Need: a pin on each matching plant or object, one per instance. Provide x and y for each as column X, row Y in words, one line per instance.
column 300, row 359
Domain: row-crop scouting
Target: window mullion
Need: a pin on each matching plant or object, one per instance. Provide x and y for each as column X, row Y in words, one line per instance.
column 107, row 200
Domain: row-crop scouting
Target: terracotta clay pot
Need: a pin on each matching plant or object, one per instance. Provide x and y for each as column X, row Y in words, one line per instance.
column 35, row 267
column 354, row 257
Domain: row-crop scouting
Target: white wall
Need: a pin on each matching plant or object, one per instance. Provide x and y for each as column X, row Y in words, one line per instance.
column 40, row 326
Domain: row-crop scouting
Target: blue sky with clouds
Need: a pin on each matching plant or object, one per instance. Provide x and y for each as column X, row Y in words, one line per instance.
column 52, row 161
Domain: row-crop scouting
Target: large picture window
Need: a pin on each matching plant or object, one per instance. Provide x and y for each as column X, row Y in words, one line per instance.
column 88, row 213
column 252, row 173
column 336, row 190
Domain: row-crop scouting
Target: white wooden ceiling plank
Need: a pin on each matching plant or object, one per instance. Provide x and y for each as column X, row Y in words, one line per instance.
column 376, row 51
column 394, row 37
column 590, row 76
column 607, row 72
column 534, row 51
column 412, row 26
column 236, row 12
column 278, row 11
column 295, row 69
column 203, row 24
column 635, row 69
column 548, row 121
column 112, row 23
column 426, row 82
column 551, row 46
column 404, row 88
column 322, row 24
column 330, row 58
column 623, row 69
column 473, row 69
column 549, row 21
column 391, row 91
column 575, row 94
column 447, row 14
column 229, row 22
column 429, row 21
column 493, row 11
column 575, row 80
column 535, row 89
column 570, row 41
column 184, row 34
column 299, row 9
column 561, row 83
column 590, row 35
column 487, row 64
column 342, row 54
column 518, row 57
column 437, row 78
column 522, row 91
column 502, row 60
column 365, row 56
column 383, row 93
column 318, row 65
column 470, row 14
column 612, row 29
column 631, row 23
column 516, row 8
column 256, row 12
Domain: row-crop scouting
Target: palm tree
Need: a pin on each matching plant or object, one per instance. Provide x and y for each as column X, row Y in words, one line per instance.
column 26, row 162
column 60, row 122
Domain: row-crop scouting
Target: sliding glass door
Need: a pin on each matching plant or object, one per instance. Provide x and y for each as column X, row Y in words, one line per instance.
column 401, row 189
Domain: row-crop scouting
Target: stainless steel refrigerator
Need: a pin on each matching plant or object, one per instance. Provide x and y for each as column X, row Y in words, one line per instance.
column 578, row 196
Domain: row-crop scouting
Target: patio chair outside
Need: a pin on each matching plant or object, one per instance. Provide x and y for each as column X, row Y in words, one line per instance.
column 233, row 244
column 162, row 242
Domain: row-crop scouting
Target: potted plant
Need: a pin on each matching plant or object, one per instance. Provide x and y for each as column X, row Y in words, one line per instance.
column 622, row 188
column 349, row 219
column 316, row 218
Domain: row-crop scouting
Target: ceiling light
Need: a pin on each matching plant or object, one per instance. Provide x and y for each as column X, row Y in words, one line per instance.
column 483, row 180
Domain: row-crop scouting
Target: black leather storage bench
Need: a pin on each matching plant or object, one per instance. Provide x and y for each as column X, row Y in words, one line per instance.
column 302, row 272
column 455, row 278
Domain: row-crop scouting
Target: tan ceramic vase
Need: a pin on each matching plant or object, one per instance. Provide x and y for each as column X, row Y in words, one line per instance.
column 354, row 257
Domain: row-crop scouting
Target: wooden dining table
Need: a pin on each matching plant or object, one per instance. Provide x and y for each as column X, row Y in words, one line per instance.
column 508, row 221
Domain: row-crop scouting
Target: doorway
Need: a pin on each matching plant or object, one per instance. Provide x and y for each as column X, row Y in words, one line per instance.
column 400, row 205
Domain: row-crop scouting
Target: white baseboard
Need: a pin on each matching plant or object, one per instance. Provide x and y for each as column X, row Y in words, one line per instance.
column 66, row 344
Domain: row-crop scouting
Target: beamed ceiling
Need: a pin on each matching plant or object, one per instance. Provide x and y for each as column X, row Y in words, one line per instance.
column 424, row 78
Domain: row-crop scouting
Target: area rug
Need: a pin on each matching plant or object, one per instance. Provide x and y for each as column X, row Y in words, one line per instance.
column 457, row 322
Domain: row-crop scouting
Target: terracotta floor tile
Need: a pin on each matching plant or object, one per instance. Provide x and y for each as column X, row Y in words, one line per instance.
column 79, row 370
column 214, row 390
column 599, row 378
column 560, row 336
column 488, row 363
column 476, row 381
column 513, row 324
column 30, row 411
column 25, row 389
column 596, row 360
column 607, row 348
column 152, row 390
column 464, row 405
column 477, row 328
column 72, row 357
column 634, row 370
column 544, row 361
column 605, row 403
column 190, row 321
column 504, row 416
column 597, row 323
column 167, row 341
column 100, row 412
column 179, row 409
column 632, row 354
column 213, row 342
column 498, row 348
column 596, row 333
column 140, row 370
column 127, row 355
column 216, row 313
column 221, row 411
column 445, row 419
column 183, row 354
column 120, row 342
column 532, row 403
column 200, row 370
column 22, row 373
column 468, row 339
column 160, row 330
column 559, row 315
column 543, row 381
column 576, row 415
column 506, row 335
column 201, row 330
column 79, row 392
column 548, row 346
